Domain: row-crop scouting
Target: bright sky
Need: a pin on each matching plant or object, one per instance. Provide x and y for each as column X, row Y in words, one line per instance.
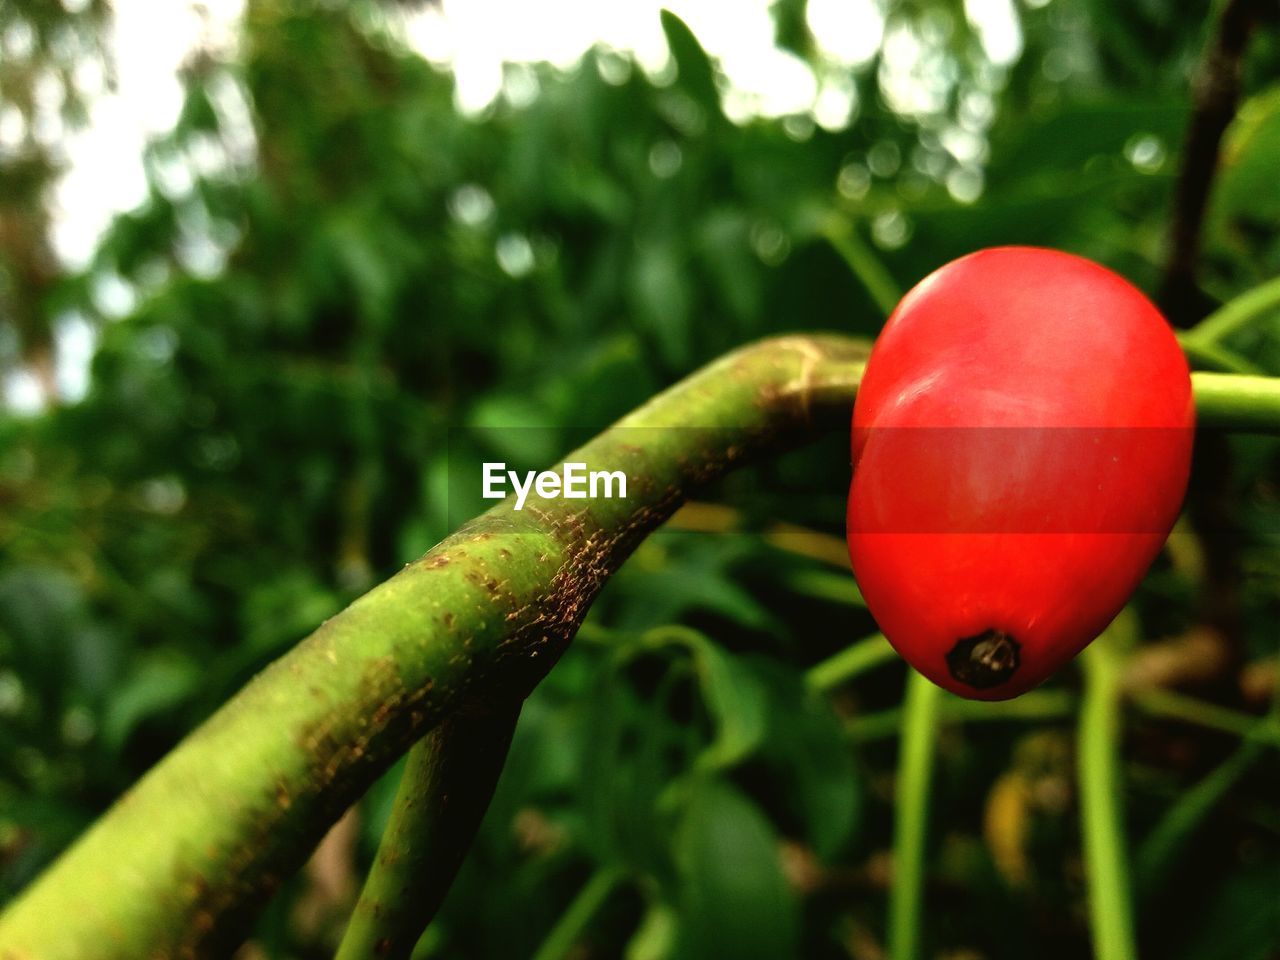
column 475, row 38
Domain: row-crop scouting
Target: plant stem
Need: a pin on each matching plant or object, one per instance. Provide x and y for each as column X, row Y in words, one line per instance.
column 853, row 660
column 1101, row 786
column 1230, row 402
column 1033, row 706
column 569, row 928
column 1178, row 706
column 1215, row 357
column 181, row 864
column 1215, row 92
column 1161, row 846
column 915, row 773
column 865, row 265
column 444, row 792
column 1252, row 305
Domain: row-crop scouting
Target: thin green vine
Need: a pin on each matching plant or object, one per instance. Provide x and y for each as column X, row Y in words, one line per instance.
column 1101, row 808
column 910, row 829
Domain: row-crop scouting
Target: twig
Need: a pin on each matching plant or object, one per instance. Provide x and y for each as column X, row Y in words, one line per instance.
column 444, row 792
column 1261, row 302
column 1216, row 91
column 866, row 266
column 180, row 865
column 569, row 928
column 1171, row 705
column 1033, row 707
column 1156, row 856
column 854, row 660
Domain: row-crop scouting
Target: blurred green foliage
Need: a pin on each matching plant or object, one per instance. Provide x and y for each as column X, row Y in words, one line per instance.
column 339, row 288
column 52, row 65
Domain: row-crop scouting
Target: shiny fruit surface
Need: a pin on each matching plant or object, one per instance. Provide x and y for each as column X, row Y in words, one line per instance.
column 1021, row 445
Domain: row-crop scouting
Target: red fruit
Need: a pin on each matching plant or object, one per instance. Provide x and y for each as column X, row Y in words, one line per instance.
column 1021, row 444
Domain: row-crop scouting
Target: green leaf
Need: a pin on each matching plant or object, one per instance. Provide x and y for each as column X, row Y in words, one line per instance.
column 1062, row 139
column 737, row 701
column 157, row 684
column 725, row 248
column 822, row 585
column 1239, row 920
column 696, row 73
column 280, row 611
column 735, row 697
column 661, row 301
column 809, row 752
column 694, row 575
column 734, row 899
column 625, row 770
column 655, row 938
column 1246, row 180
column 791, row 26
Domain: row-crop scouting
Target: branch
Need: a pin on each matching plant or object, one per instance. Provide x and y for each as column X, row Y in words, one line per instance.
column 1216, row 91
column 183, row 860
column 180, row 864
column 1260, row 302
column 444, row 792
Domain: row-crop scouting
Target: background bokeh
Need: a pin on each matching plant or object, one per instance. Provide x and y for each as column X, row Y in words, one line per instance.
column 339, row 277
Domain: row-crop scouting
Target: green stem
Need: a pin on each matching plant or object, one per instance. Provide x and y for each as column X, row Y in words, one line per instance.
column 1036, row 705
column 865, row 265
column 182, row 862
column 1030, row 707
column 871, row 727
column 915, row 773
column 180, row 865
column 1204, row 353
column 568, row 930
column 1106, row 858
column 444, row 791
column 1231, row 402
column 1158, row 851
column 853, row 660
column 1178, row 706
column 1236, row 314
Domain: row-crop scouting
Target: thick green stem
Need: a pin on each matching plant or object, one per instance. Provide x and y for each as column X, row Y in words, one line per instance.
column 1230, row 402
column 444, row 791
column 180, row 864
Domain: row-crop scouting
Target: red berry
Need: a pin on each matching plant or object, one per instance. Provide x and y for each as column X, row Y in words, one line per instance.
column 1021, row 445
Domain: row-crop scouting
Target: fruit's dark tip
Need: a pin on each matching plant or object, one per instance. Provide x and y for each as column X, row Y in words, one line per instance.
column 986, row 660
